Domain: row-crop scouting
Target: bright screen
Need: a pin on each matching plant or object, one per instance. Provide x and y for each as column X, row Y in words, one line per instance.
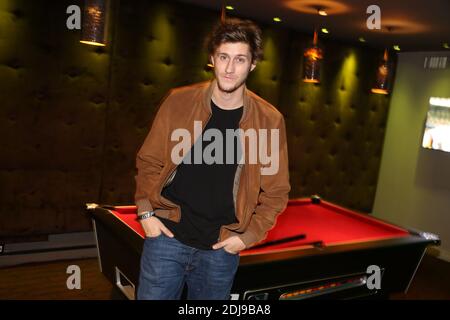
column 437, row 127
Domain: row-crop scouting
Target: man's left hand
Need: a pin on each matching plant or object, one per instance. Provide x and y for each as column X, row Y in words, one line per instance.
column 232, row 245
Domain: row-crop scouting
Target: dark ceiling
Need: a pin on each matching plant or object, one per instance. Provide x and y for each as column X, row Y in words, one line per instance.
column 414, row 25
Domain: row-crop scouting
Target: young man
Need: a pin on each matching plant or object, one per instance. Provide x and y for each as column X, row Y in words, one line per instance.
column 199, row 213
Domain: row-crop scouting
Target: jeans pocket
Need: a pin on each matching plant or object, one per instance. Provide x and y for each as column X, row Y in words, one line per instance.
column 229, row 253
column 152, row 238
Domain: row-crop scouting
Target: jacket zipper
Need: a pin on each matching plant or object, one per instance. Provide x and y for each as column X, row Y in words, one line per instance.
column 238, row 188
column 164, row 184
column 246, row 184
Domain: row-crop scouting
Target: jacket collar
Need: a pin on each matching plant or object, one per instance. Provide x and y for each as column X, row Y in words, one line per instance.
column 207, row 95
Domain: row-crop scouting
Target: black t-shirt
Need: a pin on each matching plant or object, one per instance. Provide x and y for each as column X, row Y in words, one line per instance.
column 204, row 191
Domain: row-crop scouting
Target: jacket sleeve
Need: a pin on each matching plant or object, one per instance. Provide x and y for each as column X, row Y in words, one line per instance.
column 150, row 157
column 273, row 197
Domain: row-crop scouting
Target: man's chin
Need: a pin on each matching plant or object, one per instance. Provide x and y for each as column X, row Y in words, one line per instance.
column 228, row 89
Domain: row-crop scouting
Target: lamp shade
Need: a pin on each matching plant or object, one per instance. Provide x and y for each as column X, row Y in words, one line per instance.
column 312, row 62
column 93, row 31
column 382, row 79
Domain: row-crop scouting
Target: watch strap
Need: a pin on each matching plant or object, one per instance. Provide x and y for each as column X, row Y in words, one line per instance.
column 145, row 215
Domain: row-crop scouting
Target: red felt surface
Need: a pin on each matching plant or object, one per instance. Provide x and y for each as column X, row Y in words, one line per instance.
column 324, row 222
column 329, row 224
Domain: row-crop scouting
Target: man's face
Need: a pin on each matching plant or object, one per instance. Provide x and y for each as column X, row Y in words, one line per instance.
column 232, row 64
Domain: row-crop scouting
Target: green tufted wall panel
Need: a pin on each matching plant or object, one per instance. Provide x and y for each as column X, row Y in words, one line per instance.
column 72, row 116
column 53, row 98
column 336, row 128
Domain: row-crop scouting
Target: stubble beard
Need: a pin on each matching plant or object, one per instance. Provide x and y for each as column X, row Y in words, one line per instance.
column 231, row 90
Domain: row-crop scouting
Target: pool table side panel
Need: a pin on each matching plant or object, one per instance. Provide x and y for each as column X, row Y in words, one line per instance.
column 115, row 252
column 398, row 263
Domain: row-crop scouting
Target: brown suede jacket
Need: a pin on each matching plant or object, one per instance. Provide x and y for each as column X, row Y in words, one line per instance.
column 258, row 198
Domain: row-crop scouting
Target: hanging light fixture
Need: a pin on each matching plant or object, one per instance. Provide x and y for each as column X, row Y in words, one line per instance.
column 94, row 28
column 223, row 13
column 311, row 63
column 383, row 76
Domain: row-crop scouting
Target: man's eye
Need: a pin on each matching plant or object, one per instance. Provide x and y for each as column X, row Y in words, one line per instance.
column 222, row 57
column 241, row 60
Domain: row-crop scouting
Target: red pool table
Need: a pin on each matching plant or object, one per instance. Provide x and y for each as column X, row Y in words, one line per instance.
column 330, row 260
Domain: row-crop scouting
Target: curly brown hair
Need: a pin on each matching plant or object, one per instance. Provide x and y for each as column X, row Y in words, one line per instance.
column 236, row 30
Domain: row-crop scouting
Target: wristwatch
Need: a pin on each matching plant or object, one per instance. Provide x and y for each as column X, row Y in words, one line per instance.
column 145, row 215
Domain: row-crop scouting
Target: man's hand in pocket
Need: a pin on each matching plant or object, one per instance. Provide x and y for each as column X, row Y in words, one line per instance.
column 153, row 227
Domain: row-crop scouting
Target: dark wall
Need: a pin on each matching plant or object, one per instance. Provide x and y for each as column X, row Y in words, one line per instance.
column 72, row 116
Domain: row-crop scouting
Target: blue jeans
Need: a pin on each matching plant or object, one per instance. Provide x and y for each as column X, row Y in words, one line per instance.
column 167, row 265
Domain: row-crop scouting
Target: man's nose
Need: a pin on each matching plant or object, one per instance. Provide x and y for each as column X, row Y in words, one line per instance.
column 230, row 67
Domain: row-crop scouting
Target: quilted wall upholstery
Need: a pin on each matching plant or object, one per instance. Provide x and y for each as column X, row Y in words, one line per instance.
column 73, row 116
column 53, row 97
column 336, row 128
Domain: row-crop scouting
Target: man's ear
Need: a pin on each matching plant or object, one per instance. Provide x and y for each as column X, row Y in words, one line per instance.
column 253, row 66
column 211, row 59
